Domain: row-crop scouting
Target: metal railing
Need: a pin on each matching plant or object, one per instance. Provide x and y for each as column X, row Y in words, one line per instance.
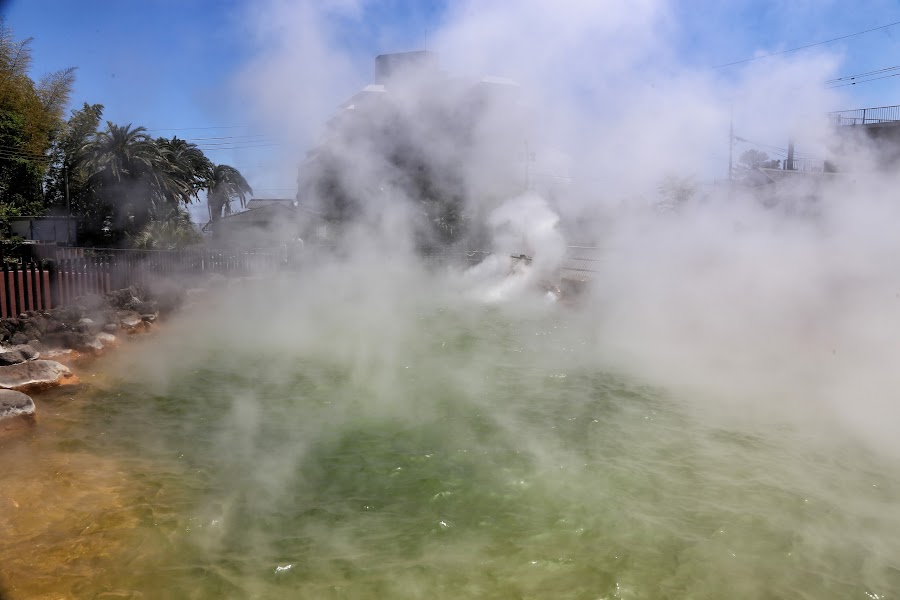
column 806, row 165
column 865, row 116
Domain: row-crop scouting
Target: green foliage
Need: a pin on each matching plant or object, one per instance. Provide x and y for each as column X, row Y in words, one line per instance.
column 757, row 159
column 171, row 230
column 30, row 118
column 68, row 164
column 185, row 164
column 226, row 185
column 122, row 185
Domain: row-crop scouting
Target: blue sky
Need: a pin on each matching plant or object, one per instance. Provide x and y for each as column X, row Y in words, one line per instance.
column 170, row 65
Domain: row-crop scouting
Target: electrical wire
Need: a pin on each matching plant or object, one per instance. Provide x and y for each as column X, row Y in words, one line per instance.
column 843, row 37
column 199, row 128
column 831, row 87
column 866, row 74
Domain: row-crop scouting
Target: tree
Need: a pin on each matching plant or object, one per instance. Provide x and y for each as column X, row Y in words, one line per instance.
column 68, row 161
column 757, row 159
column 226, row 185
column 30, row 117
column 676, row 191
column 187, row 167
column 171, row 230
column 127, row 176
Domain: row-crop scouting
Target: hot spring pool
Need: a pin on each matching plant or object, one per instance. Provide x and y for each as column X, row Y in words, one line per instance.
column 464, row 453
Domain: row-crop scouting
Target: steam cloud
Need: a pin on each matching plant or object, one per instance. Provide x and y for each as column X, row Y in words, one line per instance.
column 729, row 298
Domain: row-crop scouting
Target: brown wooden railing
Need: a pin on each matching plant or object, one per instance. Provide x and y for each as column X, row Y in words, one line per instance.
column 44, row 277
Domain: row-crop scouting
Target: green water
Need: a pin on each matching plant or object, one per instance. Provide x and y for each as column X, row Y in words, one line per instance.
column 468, row 454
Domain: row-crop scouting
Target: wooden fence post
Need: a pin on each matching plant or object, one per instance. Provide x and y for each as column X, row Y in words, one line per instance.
column 3, row 311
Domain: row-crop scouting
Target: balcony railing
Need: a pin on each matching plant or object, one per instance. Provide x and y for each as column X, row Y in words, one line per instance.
column 865, row 116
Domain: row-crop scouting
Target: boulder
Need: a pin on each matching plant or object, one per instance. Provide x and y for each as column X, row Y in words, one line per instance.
column 14, row 404
column 88, row 326
column 90, row 302
column 122, row 299
column 148, row 307
column 106, row 338
column 110, row 328
column 14, row 355
column 92, row 345
column 70, row 339
column 19, row 339
column 129, row 320
column 33, row 374
column 40, row 323
column 148, row 318
column 9, row 356
column 53, row 326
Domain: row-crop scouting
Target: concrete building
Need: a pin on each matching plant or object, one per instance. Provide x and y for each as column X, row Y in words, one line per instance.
column 267, row 222
column 46, row 229
column 416, row 133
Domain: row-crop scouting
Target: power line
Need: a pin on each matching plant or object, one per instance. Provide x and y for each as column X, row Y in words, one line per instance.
column 227, row 137
column 236, row 143
column 843, row 37
column 238, row 147
column 775, row 149
column 866, row 74
column 831, row 87
column 199, row 128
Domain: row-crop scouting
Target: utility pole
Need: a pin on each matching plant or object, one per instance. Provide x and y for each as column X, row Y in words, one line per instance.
column 731, row 145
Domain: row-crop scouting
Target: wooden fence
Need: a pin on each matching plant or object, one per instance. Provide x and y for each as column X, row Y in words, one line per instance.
column 24, row 288
column 59, row 275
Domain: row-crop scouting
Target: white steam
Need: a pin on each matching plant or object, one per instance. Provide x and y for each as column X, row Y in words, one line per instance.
column 755, row 310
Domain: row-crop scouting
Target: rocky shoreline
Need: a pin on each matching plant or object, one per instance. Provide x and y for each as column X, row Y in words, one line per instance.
column 30, row 342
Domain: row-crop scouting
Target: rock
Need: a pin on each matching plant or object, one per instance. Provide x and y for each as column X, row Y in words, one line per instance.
column 129, row 319
column 28, row 351
column 147, row 307
column 90, row 302
column 31, row 332
column 14, row 404
column 88, row 326
column 68, row 315
column 54, row 326
column 69, row 339
column 106, row 338
column 148, row 318
column 122, row 299
column 92, row 345
column 33, row 374
column 19, row 339
column 11, row 357
column 110, row 328
column 40, row 323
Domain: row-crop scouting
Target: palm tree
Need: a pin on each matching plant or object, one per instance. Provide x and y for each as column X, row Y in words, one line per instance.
column 125, row 173
column 187, row 167
column 121, row 154
column 170, row 230
column 225, row 185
